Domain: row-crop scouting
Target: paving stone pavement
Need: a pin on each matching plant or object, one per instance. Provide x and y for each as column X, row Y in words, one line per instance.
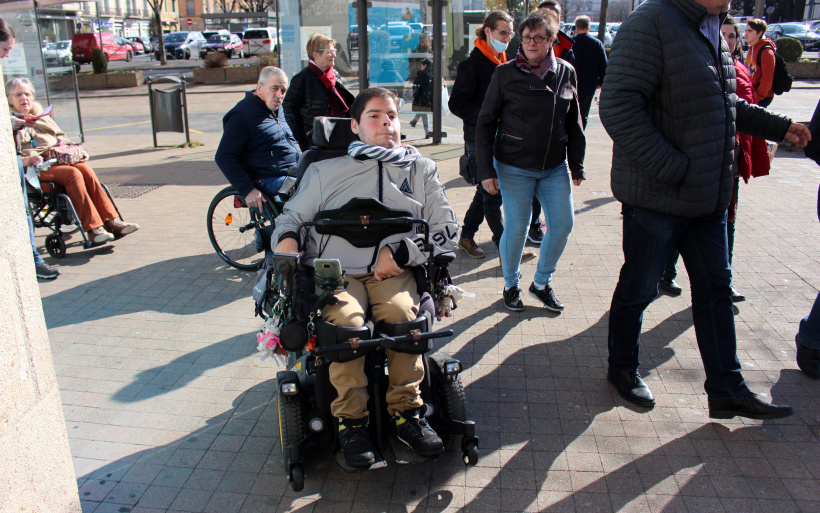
column 168, row 407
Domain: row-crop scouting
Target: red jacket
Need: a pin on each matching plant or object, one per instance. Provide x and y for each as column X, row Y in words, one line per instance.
column 754, row 157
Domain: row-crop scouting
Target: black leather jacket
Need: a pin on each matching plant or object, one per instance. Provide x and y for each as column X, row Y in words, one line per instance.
column 531, row 123
column 306, row 99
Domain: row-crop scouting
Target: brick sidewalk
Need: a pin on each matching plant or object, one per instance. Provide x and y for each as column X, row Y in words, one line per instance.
column 169, row 409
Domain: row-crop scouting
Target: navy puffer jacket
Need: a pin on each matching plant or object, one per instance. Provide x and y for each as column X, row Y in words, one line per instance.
column 669, row 104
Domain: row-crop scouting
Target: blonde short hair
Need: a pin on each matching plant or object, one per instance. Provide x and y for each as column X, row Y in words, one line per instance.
column 317, row 42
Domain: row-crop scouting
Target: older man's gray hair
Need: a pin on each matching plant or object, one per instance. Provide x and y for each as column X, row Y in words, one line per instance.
column 269, row 72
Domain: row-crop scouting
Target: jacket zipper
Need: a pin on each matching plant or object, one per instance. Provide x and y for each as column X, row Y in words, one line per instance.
column 552, row 126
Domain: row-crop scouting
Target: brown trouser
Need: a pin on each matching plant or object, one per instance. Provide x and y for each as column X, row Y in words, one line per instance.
column 392, row 300
column 85, row 191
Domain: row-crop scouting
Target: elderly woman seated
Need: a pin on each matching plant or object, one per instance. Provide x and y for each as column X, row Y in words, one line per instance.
column 97, row 214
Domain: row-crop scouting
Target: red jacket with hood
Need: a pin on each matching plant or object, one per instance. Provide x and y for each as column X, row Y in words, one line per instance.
column 754, row 155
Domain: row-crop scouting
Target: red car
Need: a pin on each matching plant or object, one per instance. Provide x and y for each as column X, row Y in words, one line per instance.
column 229, row 44
column 139, row 48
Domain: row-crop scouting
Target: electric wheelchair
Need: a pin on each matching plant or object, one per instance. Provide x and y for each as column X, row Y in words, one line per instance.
column 292, row 296
column 55, row 211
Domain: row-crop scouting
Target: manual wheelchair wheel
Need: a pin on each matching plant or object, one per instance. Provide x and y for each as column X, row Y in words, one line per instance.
column 232, row 230
column 469, row 453
column 55, row 245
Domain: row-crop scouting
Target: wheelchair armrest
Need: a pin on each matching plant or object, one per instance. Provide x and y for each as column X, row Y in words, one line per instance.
column 444, row 258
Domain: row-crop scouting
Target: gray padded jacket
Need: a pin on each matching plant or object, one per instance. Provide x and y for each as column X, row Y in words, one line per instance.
column 669, row 104
column 330, row 184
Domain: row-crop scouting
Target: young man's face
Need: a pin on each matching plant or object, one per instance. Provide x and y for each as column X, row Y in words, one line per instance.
column 380, row 124
column 752, row 36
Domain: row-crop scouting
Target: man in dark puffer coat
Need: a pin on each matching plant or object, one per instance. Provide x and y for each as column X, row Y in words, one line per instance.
column 668, row 103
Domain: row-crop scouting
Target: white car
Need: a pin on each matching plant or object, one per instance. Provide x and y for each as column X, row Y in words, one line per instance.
column 259, row 40
column 58, row 54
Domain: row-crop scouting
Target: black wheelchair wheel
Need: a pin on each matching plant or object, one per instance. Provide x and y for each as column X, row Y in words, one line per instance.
column 232, row 229
column 469, row 453
column 55, row 245
column 291, row 429
column 450, row 396
column 297, row 478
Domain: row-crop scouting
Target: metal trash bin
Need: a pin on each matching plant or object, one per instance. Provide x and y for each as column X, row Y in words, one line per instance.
column 169, row 107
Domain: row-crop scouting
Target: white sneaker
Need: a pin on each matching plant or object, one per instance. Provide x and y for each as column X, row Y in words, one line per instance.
column 98, row 235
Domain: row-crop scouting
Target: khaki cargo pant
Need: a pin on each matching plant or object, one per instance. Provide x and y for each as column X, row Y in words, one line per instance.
column 392, row 300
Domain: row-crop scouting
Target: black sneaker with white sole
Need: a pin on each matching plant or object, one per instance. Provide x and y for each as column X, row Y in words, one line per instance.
column 512, row 299
column 546, row 296
column 46, row 272
column 412, row 429
column 534, row 234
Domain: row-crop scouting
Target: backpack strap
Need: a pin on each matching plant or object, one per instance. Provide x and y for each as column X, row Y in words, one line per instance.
column 760, row 53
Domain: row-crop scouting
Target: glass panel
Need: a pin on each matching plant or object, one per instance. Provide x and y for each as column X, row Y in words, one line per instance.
column 47, row 66
column 331, row 19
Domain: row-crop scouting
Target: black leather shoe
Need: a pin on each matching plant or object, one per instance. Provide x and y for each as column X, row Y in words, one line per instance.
column 670, row 287
column 808, row 359
column 631, row 387
column 748, row 406
column 736, row 296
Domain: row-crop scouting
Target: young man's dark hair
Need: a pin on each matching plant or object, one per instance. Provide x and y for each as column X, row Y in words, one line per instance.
column 365, row 96
column 758, row 25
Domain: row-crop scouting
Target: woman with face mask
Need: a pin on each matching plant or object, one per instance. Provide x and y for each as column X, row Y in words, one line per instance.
column 472, row 80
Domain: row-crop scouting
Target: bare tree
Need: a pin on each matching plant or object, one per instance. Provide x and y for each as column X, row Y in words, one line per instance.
column 602, row 20
column 227, row 5
column 256, row 5
column 156, row 6
column 619, row 10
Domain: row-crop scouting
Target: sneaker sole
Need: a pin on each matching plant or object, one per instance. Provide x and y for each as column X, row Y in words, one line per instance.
column 471, row 255
column 514, row 308
column 551, row 309
column 534, row 241
column 48, row 277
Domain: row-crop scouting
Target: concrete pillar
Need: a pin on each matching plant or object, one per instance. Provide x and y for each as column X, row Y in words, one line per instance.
column 36, row 470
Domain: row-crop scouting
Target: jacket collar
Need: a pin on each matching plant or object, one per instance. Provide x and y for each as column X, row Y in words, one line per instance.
column 692, row 10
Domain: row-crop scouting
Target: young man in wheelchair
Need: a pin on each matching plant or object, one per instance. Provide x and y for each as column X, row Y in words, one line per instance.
column 378, row 278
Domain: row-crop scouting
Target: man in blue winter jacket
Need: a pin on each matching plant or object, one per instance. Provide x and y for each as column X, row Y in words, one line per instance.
column 257, row 146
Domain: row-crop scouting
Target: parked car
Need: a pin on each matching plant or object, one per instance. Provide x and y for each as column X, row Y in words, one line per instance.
column 259, row 40
column 208, row 33
column 147, row 46
column 799, row 31
column 397, row 32
column 135, row 45
column 229, row 45
column 58, row 54
column 182, row 45
column 353, row 37
column 568, row 29
column 83, row 44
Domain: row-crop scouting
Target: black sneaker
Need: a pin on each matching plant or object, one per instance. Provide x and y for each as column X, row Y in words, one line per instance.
column 535, row 235
column 547, row 296
column 46, row 271
column 354, row 437
column 412, row 429
column 512, row 299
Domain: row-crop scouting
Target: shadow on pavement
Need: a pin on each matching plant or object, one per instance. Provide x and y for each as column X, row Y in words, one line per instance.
column 182, row 286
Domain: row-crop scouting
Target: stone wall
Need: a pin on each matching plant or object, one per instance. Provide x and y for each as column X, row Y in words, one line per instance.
column 36, row 470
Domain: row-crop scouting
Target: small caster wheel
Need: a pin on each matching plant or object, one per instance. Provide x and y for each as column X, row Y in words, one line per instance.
column 469, row 453
column 297, row 478
column 55, row 245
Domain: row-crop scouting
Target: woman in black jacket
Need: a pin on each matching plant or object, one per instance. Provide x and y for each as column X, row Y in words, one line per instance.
column 472, row 80
column 316, row 91
column 528, row 133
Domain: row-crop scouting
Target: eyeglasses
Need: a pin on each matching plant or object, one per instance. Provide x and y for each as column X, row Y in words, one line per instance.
column 538, row 39
column 331, row 51
column 504, row 33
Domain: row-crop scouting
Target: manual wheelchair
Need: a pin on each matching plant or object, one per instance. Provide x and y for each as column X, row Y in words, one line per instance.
column 293, row 296
column 55, row 211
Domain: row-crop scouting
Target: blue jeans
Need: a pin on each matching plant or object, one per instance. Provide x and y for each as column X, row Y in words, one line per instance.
column 553, row 189
column 270, row 185
column 37, row 258
column 649, row 237
column 810, row 326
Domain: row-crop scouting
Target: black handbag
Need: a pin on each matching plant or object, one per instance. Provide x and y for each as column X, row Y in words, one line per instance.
column 467, row 168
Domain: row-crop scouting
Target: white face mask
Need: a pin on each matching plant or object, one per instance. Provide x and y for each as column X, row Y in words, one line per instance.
column 498, row 46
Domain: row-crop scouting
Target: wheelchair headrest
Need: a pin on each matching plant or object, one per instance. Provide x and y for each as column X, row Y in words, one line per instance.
column 332, row 133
